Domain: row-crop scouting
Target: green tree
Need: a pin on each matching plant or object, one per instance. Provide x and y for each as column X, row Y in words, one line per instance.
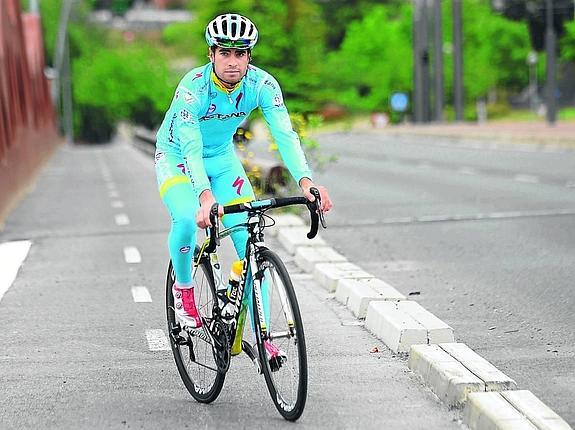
column 374, row 59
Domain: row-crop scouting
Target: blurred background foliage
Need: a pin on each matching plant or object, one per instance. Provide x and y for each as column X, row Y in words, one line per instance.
column 351, row 54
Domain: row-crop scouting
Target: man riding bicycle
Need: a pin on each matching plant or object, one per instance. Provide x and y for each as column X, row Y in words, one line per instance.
column 196, row 164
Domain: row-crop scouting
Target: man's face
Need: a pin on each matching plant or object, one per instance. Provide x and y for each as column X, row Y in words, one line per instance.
column 230, row 64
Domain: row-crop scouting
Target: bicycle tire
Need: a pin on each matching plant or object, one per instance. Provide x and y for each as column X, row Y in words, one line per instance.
column 202, row 383
column 280, row 377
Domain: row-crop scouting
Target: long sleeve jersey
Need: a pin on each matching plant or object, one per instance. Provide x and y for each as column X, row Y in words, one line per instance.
column 202, row 120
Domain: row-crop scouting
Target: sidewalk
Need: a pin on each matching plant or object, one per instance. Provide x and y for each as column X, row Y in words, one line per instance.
column 562, row 133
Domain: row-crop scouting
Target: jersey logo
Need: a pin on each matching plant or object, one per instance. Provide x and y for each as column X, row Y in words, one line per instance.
column 212, row 108
column 223, row 117
column 239, row 182
column 182, row 167
column 198, row 75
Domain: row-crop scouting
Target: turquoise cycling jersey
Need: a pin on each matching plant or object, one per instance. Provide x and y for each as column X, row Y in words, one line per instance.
column 203, row 118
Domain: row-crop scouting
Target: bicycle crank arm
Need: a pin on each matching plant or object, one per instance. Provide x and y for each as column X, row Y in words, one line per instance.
column 250, row 352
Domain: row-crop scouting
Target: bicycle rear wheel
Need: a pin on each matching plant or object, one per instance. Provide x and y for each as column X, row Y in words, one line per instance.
column 285, row 374
column 194, row 355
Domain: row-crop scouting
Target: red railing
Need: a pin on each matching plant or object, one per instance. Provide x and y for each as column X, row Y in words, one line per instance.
column 27, row 119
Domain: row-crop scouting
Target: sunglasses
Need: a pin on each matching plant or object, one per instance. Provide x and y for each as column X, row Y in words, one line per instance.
column 227, row 43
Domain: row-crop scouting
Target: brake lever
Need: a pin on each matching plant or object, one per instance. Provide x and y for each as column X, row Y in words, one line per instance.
column 316, row 194
column 215, row 220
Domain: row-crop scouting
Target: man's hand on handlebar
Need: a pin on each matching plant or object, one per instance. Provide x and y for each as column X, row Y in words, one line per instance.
column 207, row 200
column 306, row 184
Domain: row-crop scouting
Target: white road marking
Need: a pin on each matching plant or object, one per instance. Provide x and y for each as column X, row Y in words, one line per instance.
column 467, row 170
column 12, row 255
column 157, row 340
column 455, row 217
column 117, row 204
column 122, row 219
column 113, row 194
column 141, row 294
column 132, row 255
column 530, row 179
column 570, row 184
column 424, row 165
column 111, row 185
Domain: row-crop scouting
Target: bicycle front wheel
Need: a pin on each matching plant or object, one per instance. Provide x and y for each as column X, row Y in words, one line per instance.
column 194, row 355
column 281, row 343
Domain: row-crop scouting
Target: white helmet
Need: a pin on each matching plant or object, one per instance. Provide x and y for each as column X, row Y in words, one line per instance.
column 231, row 31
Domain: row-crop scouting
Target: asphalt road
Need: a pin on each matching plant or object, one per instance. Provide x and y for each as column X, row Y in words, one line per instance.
column 482, row 236
column 74, row 340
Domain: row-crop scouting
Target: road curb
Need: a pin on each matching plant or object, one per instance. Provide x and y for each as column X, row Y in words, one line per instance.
column 453, row 370
column 510, row 410
column 405, row 323
column 455, row 373
column 329, row 274
column 307, row 257
column 295, row 237
column 356, row 294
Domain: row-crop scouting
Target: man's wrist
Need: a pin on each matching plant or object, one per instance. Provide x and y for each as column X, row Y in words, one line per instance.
column 305, row 182
column 205, row 196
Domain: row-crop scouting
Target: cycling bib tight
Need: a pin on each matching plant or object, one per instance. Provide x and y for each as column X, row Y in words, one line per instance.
column 195, row 152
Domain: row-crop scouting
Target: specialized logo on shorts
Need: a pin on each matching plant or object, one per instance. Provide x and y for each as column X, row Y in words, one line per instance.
column 185, row 249
column 182, row 167
column 239, row 182
column 212, row 109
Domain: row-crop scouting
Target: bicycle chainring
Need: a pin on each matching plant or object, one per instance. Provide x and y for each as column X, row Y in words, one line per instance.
column 222, row 345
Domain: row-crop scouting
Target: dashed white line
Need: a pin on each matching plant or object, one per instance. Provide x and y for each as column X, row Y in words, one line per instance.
column 113, row 194
column 467, row 170
column 157, row 340
column 141, row 294
column 12, row 255
column 424, row 165
column 117, row 204
column 530, row 179
column 122, row 219
column 132, row 255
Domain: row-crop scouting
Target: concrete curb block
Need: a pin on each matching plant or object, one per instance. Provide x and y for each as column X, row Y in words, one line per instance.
column 329, row 274
column 356, row 294
column 535, row 410
column 405, row 323
column 453, row 370
column 286, row 220
column 294, row 237
column 494, row 379
column 510, row 410
column 490, row 411
column 307, row 257
column 450, row 380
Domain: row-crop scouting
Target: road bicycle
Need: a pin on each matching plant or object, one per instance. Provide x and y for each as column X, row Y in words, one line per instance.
column 203, row 355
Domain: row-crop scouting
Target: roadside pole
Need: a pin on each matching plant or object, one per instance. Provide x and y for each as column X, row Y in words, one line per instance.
column 457, row 60
column 550, row 46
column 438, row 60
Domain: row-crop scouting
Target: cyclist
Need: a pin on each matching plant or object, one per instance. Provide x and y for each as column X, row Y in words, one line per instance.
column 196, row 164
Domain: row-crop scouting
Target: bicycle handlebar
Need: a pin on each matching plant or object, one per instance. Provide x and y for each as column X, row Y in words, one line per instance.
column 314, row 208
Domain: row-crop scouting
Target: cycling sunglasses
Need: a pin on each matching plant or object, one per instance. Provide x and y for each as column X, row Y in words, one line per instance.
column 228, row 43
